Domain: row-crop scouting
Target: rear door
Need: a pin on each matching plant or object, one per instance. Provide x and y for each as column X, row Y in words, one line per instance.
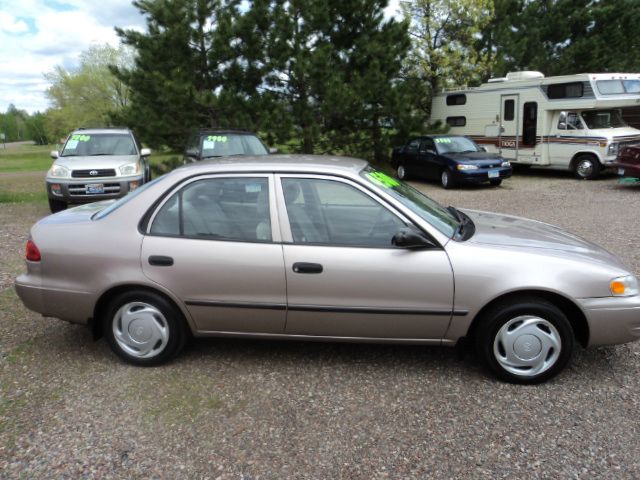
column 344, row 277
column 214, row 245
column 509, row 137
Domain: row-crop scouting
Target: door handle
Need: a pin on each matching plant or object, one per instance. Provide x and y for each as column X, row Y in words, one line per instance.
column 304, row 267
column 160, row 261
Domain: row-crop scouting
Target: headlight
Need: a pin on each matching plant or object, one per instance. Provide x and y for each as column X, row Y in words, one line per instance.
column 506, row 164
column 130, row 169
column 58, row 171
column 624, row 286
column 613, row 149
column 466, row 166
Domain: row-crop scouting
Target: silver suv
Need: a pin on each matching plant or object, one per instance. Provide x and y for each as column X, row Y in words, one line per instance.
column 96, row 164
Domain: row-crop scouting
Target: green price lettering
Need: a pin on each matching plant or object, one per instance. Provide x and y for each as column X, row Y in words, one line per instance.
column 443, row 140
column 383, row 179
column 80, row 138
column 217, row 138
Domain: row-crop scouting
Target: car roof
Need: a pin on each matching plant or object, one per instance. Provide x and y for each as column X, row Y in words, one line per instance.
column 203, row 131
column 441, row 135
column 119, row 130
column 277, row 163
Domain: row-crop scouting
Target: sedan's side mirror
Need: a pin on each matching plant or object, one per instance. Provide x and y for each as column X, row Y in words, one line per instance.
column 273, row 150
column 145, row 152
column 191, row 153
column 410, row 238
column 483, row 149
column 432, row 152
column 54, row 154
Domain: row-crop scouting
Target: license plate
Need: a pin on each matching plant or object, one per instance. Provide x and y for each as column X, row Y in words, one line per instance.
column 94, row 188
column 621, row 171
column 494, row 173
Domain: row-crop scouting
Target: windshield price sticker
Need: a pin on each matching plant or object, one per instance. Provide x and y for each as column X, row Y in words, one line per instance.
column 442, row 140
column 383, row 179
column 71, row 145
column 217, row 138
column 80, row 138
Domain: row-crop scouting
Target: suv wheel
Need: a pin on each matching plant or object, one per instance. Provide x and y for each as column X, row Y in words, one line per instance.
column 57, row 205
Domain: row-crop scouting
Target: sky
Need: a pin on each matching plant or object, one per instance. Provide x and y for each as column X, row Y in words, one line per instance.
column 37, row 35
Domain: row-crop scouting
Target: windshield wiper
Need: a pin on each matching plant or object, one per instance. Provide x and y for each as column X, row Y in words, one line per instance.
column 98, row 154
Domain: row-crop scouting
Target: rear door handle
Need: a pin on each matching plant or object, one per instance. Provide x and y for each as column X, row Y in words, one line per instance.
column 160, row 261
column 304, row 267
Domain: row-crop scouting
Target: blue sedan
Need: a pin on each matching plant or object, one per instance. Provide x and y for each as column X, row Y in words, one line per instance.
column 451, row 159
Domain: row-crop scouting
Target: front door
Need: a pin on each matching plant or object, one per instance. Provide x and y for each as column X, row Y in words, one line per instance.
column 345, row 278
column 212, row 244
column 508, row 137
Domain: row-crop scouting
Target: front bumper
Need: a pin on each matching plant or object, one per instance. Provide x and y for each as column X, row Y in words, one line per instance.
column 481, row 175
column 612, row 320
column 77, row 190
column 627, row 169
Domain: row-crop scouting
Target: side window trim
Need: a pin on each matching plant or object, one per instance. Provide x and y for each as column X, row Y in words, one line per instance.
column 285, row 226
column 276, row 236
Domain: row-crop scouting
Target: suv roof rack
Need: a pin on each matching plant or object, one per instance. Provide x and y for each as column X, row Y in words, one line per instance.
column 103, row 128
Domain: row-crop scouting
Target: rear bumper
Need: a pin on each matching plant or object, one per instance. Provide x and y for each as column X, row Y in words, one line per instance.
column 612, row 320
column 72, row 306
column 481, row 175
column 75, row 191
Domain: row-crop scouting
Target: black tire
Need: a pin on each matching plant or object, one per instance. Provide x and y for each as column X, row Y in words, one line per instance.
column 401, row 172
column 446, row 179
column 161, row 316
column 586, row 167
column 545, row 322
column 147, row 173
column 496, row 183
column 57, row 205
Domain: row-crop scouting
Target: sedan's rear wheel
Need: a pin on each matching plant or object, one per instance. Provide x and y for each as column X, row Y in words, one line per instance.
column 525, row 341
column 401, row 172
column 143, row 328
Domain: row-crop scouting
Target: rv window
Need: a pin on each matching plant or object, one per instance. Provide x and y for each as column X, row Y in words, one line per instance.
column 565, row 90
column 509, row 109
column 457, row 121
column 459, row 99
column 613, row 87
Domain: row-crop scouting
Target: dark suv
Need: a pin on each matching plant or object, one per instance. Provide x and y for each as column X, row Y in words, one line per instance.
column 210, row 143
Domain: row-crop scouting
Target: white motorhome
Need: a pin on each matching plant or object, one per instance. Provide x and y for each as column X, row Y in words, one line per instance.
column 569, row 122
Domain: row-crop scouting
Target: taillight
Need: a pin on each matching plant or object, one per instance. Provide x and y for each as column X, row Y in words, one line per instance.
column 32, row 252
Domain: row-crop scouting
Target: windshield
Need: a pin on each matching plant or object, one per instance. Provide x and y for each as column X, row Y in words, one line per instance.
column 603, row 119
column 231, row 144
column 455, row 145
column 121, row 201
column 429, row 210
column 616, row 87
column 82, row 144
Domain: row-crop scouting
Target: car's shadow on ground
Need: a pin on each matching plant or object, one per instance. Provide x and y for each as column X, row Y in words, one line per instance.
column 75, row 343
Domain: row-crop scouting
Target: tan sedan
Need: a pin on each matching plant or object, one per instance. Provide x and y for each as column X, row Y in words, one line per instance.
column 322, row 248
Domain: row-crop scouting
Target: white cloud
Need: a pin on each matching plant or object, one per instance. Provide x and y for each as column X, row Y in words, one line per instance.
column 10, row 24
column 49, row 33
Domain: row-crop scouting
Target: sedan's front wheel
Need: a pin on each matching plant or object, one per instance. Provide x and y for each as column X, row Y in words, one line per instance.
column 143, row 328
column 446, row 179
column 528, row 340
column 401, row 172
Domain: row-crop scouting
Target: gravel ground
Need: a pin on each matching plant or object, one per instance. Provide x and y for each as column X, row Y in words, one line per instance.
column 249, row 410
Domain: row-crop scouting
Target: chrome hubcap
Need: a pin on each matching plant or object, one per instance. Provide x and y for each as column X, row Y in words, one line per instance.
column 527, row 346
column 445, row 179
column 401, row 172
column 140, row 329
column 585, row 168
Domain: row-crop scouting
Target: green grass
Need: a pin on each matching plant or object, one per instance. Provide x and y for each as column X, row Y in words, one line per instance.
column 26, row 158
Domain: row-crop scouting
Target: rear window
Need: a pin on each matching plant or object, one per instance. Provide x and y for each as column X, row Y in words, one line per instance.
column 124, row 200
